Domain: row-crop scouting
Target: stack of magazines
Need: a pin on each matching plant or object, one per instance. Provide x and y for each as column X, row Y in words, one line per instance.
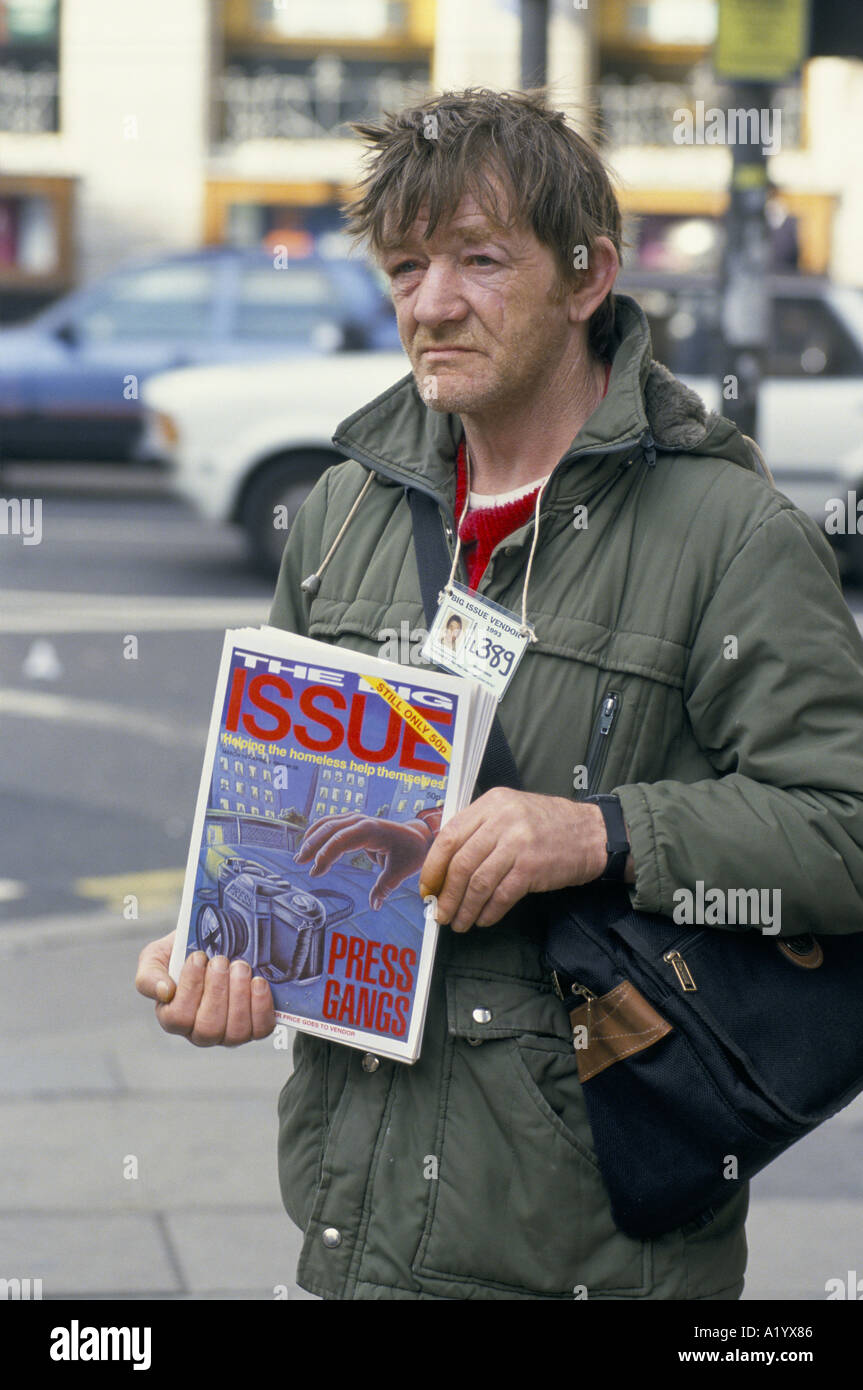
column 326, row 777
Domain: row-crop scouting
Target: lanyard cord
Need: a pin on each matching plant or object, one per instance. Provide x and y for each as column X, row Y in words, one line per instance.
column 448, row 586
column 526, row 627
column 312, row 583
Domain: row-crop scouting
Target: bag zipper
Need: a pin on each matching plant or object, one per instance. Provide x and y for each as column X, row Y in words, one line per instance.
column 597, row 748
column 681, row 970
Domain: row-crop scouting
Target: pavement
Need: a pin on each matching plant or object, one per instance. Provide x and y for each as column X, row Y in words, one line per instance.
column 136, row 1166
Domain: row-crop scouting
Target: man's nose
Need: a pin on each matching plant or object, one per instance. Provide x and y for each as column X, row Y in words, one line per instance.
column 439, row 297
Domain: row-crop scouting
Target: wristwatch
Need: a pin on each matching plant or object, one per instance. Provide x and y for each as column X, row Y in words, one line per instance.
column 617, row 845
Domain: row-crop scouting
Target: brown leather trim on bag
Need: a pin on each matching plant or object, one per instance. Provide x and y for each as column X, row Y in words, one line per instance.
column 618, row 1024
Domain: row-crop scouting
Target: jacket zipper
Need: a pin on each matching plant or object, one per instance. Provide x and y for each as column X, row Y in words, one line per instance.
column 597, row 748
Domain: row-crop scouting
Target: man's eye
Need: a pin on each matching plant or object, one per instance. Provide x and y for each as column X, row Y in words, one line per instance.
column 402, row 266
column 480, row 257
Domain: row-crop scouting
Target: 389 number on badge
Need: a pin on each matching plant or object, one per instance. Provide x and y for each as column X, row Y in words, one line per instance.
column 498, row 657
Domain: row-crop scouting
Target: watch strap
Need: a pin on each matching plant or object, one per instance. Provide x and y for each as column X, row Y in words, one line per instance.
column 617, row 845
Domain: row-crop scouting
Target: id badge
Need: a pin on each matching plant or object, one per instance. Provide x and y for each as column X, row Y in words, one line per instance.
column 474, row 637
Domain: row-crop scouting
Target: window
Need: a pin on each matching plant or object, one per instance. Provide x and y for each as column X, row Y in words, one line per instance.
column 29, row 62
column 169, row 301
column 808, row 341
column 283, row 303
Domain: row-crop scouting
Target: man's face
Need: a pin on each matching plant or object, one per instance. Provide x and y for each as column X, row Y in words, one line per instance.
column 475, row 313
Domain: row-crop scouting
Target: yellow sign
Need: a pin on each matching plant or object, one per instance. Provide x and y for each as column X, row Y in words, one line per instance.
column 427, row 732
column 761, row 40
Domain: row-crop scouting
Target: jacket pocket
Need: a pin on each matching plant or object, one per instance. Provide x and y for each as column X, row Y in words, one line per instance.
column 519, row 1204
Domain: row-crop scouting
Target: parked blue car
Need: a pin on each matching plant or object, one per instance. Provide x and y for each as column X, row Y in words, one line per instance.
column 70, row 378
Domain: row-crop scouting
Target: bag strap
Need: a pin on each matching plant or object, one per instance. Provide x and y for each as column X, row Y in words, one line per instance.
column 498, row 767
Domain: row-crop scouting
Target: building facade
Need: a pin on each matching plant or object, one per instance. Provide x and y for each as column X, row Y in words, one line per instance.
column 130, row 130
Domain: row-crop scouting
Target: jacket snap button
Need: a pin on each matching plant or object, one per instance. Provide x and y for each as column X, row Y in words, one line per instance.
column 481, row 1015
column 370, row 1062
column 331, row 1237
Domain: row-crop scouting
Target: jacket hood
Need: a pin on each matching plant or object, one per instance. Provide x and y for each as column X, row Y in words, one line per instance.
column 644, row 410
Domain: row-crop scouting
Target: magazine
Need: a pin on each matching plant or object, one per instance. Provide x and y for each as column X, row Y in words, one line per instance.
column 326, row 776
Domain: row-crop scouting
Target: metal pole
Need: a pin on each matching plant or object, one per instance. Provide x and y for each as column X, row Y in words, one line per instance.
column 534, row 42
column 745, row 310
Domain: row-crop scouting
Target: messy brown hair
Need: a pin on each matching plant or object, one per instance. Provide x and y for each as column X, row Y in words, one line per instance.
column 455, row 144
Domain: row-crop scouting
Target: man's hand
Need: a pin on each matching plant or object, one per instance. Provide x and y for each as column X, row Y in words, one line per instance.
column 396, row 849
column 212, row 1003
column 507, row 844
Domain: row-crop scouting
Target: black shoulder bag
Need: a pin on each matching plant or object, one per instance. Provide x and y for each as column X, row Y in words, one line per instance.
column 703, row 1053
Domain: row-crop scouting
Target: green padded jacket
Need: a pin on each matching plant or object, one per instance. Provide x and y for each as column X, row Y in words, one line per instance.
column 710, row 606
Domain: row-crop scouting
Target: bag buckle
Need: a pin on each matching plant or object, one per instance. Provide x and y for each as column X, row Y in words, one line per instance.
column 568, row 999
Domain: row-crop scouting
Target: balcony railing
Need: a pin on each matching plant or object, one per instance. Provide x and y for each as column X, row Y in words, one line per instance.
column 643, row 112
column 314, row 100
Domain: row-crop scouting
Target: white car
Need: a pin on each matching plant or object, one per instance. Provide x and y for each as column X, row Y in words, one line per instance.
column 243, row 439
column 810, row 407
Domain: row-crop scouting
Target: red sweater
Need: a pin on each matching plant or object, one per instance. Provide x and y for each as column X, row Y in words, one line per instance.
column 485, row 527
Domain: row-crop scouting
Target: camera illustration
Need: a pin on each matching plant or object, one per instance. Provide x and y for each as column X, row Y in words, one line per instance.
column 277, row 927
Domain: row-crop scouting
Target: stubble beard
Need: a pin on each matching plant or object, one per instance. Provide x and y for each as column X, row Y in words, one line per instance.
column 513, row 378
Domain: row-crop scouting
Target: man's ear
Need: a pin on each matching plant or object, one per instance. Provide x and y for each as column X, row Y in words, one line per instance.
column 596, row 280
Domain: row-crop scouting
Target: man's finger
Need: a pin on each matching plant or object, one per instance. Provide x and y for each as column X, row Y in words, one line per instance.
column 178, row 1016
column 152, row 978
column 238, row 1025
column 263, row 1013
column 509, row 891
column 320, row 832
column 480, row 887
column 448, row 842
column 386, row 881
column 461, row 867
column 347, row 837
column 211, row 1019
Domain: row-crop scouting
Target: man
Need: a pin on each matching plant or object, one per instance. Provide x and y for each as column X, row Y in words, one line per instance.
column 452, row 633
column 692, row 656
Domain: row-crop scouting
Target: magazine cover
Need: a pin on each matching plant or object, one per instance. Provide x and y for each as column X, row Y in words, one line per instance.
column 326, row 776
